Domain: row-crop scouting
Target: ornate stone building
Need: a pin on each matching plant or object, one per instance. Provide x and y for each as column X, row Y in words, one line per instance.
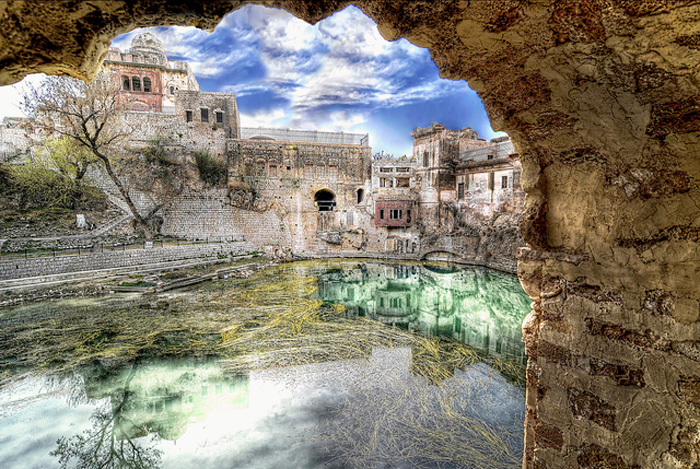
column 146, row 77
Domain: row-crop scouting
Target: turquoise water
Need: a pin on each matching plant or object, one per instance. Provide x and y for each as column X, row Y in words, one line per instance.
column 479, row 307
column 152, row 410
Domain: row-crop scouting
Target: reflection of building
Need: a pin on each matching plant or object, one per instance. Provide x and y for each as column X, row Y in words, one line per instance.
column 165, row 397
column 480, row 308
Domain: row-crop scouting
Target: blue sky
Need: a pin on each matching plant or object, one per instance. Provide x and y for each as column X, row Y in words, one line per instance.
column 338, row 75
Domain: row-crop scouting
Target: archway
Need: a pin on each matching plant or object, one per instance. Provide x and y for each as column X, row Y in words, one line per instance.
column 324, row 200
column 602, row 104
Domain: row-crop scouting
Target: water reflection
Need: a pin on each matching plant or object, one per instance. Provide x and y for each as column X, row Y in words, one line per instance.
column 297, row 380
column 156, row 400
column 481, row 308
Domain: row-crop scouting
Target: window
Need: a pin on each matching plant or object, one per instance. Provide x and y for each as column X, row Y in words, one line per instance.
column 188, row 116
column 490, row 156
column 273, row 170
column 386, row 182
column 408, row 216
column 205, row 114
column 171, row 90
column 425, row 158
column 386, row 170
column 136, row 84
column 504, row 182
column 126, row 84
column 460, row 191
column 402, row 182
column 219, row 117
column 395, row 214
column 401, row 170
column 146, row 84
column 381, row 214
column 360, row 195
column 491, row 181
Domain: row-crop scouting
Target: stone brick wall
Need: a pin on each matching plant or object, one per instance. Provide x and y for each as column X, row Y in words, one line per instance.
column 213, row 103
column 208, row 213
column 23, row 268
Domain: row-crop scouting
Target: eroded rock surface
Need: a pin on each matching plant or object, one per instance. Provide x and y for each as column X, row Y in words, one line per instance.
column 601, row 100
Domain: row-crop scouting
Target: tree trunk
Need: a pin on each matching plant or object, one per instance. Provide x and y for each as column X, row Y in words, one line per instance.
column 125, row 194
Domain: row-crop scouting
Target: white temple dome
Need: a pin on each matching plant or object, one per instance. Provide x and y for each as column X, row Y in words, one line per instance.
column 147, row 44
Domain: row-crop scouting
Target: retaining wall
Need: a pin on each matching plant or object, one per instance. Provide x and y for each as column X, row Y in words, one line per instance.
column 23, row 268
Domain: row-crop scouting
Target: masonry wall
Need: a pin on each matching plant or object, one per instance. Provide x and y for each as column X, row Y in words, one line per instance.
column 22, row 268
column 209, row 213
column 286, row 178
column 213, row 103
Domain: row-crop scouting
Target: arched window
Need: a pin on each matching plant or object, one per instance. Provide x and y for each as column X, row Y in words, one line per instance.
column 171, row 90
column 146, row 84
column 126, row 83
column 135, row 84
column 360, row 195
column 324, row 200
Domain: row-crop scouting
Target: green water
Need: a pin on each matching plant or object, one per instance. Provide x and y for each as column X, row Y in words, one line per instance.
column 481, row 308
column 305, row 365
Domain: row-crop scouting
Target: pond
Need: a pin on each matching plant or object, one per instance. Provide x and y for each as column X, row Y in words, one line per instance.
column 309, row 364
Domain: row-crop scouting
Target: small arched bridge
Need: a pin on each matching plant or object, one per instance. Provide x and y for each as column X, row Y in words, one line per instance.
column 441, row 254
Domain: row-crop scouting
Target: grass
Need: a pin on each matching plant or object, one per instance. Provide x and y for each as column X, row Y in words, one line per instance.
column 138, row 283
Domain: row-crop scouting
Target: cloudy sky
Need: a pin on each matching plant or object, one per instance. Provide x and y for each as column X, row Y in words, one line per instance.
column 339, row 74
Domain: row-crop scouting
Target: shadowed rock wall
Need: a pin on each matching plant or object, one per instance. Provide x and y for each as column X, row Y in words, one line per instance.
column 601, row 101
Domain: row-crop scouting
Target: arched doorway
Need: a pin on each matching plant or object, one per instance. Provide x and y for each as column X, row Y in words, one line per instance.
column 324, row 200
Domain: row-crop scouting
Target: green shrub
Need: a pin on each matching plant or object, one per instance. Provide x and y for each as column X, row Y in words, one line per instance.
column 155, row 151
column 40, row 186
column 211, row 170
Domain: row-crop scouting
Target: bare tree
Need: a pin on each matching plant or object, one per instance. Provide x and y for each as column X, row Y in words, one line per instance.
column 109, row 443
column 92, row 115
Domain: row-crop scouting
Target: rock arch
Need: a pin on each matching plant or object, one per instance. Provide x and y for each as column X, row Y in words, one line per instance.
column 601, row 101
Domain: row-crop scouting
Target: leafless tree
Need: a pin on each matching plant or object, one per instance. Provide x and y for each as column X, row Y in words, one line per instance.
column 91, row 113
column 109, row 443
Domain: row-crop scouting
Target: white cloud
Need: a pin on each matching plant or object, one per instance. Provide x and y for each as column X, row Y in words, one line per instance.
column 273, row 118
column 11, row 95
column 341, row 61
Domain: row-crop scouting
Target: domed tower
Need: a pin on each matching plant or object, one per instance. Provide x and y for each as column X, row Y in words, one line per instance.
column 148, row 46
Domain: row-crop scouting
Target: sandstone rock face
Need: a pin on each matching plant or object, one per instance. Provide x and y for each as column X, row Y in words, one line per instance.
column 601, row 99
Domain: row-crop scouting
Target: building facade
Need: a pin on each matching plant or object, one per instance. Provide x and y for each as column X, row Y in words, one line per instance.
column 305, row 191
column 147, row 79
